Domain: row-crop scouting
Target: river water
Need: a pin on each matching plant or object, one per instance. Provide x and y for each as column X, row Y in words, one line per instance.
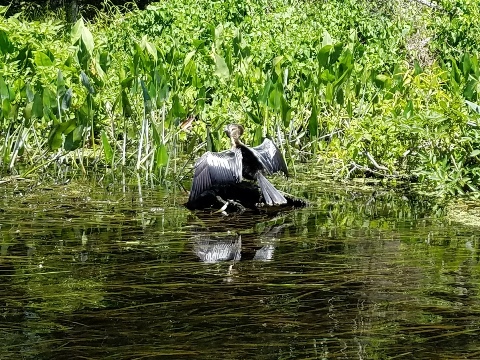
column 109, row 273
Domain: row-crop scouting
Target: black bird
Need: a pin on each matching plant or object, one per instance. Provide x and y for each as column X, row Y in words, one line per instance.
column 241, row 162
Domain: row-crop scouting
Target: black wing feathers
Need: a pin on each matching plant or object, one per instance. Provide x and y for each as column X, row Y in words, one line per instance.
column 270, row 157
column 215, row 169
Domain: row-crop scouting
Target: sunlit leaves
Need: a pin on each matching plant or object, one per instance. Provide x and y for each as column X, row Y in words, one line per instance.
column 149, row 47
column 4, row 92
column 42, row 59
column 475, row 152
column 221, row 68
column 107, row 149
column 473, row 106
column 161, row 156
column 81, row 32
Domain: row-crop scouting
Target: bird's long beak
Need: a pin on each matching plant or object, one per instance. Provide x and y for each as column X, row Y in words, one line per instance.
column 227, row 130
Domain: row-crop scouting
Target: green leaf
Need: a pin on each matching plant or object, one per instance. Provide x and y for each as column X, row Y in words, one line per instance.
column 475, row 152
column 201, row 97
column 188, row 57
column 42, row 59
column 150, row 47
column 329, row 92
column 126, row 107
column 198, row 44
column 349, row 108
column 177, row 109
column 383, row 81
column 326, row 39
column 55, row 137
column 37, row 109
column 164, row 92
column 127, row 82
column 254, row 117
column 48, row 98
column 263, row 96
column 221, row 68
column 87, row 39
column 4, row 92
column 77, row 30
column 286, row 112
column 408, row 111
column 473, row 106
column 29, row 93
column 313, row 121
column 418, row 68
column 275, row 97
column 210, row 141
column 190, row 69
column 277, row 64
column 326, row 77
column 107, row 149
column 470, row 88
column 147, row 101
column 86, row 82
column 6, row 108
column 466, row 65
column 27, row 111
column 60, row 84
column 74, row 139
column 455, row 72
column 340, row 96
column 67, row 100
column 258, row 136
column 161, row 156
column 104, row 60
column 335, row 54
column 322, row 56
column 49, row 115
column 5, row 44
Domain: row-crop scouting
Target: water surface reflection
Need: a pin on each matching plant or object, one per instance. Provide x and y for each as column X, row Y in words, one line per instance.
column 90, row 274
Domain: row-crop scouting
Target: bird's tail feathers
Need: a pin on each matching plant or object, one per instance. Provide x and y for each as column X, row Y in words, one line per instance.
column 271, row 195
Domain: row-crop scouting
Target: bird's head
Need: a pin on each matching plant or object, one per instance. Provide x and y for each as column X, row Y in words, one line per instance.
column 234, row 131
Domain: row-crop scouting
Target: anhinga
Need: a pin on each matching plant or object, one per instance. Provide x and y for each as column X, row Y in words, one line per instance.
column 238, row 163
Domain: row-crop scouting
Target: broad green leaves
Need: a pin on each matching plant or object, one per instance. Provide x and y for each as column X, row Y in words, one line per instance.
column 42, row 59
column 81, row 33
column 107, row 149
column 221, row 68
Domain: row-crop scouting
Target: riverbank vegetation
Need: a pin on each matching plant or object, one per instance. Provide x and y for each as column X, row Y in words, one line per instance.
column 364, row 88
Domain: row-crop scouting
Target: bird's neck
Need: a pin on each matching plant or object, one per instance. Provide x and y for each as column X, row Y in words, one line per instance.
column 235, row 142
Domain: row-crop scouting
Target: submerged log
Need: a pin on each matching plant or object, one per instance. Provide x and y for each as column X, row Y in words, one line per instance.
column 238, row 198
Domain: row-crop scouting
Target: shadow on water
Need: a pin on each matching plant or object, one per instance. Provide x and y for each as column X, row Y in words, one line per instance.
column 129, row 275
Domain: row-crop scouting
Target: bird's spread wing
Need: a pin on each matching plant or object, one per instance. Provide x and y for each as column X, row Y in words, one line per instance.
column 270, row 157
column 215, row 169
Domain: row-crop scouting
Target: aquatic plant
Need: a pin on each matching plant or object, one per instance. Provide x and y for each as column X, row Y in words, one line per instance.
column 362, row 88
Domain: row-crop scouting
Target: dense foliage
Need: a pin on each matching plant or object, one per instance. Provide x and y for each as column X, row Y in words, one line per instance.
column 385, row 89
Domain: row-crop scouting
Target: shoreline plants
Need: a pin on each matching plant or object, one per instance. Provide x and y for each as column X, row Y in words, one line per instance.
column 381, row 89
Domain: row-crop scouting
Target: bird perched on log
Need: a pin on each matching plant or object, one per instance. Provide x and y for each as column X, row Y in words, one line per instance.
column 213, row 170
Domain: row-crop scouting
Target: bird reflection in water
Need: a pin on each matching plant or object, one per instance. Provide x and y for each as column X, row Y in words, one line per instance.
column 213, row 248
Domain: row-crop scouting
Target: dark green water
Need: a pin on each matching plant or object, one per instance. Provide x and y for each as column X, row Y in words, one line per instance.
column 90, row 274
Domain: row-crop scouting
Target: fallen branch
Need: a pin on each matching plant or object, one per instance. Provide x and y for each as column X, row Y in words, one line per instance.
column 354, row 166
column 374, row 163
